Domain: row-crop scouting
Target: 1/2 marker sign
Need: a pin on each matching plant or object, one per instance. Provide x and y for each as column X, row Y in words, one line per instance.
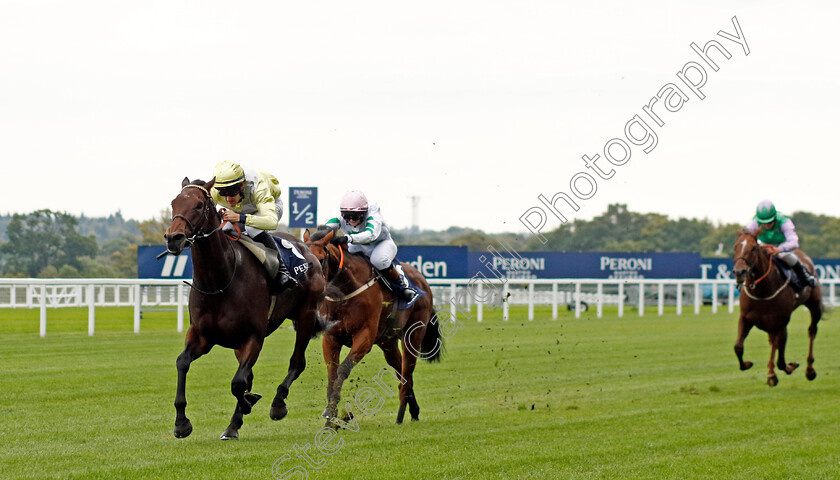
column 303, row 207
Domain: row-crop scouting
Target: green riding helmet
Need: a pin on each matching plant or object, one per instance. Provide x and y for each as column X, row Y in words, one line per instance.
column 765, row 212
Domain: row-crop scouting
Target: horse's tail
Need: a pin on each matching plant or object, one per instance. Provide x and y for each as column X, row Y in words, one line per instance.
column 432, row 345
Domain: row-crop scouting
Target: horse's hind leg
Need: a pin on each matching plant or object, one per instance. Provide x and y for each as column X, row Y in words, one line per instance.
column 781, row 342
column 195, row 347
column 407, row 388
column 743, row 331
column 815, row 308
column 240, row 387
column 395, row 359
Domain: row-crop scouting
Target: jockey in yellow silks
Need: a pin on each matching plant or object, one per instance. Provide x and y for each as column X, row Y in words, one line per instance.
column 252, row 200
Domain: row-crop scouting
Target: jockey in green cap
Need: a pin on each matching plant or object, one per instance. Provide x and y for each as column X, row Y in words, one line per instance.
column 774, row 228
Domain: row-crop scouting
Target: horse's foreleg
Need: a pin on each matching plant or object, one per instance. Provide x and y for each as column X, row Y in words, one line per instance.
column 240, row 386
column 362, row 343
column 195, row 347
column 332, row 351
column 297, row 363
column 743, row 331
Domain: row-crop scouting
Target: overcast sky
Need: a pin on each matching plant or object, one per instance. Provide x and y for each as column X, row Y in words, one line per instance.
column 476, row 107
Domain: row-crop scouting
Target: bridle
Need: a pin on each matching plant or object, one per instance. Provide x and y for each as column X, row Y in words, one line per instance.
column 766, row 274
column 325, row 265
column 325, row 262
column 197, row 234
column 208, row 206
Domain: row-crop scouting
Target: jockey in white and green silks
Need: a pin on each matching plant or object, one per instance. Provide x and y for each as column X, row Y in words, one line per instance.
column 252, row 200
column 366, row 232
column 774, row 228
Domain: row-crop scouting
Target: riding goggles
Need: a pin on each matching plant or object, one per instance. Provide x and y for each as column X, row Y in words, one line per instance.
column 355, row 216
column 231, row 191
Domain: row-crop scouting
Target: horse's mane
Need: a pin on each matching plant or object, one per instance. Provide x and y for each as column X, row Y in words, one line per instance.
column 198, row 182
column 322, row 232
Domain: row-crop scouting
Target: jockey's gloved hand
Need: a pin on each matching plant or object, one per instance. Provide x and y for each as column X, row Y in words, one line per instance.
column 340, row 240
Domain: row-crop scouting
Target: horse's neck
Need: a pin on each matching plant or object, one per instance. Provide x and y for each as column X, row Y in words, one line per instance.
column 774, row 279
column 355, row 273
column 213, row 260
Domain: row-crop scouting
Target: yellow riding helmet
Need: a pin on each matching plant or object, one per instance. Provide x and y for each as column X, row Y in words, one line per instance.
column 228, row 174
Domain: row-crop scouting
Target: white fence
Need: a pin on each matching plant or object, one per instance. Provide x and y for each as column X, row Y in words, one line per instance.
column 459, row 295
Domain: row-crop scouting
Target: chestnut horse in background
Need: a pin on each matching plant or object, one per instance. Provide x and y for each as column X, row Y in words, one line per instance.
column 767, row 302
column 231, row 304
column 361, row 313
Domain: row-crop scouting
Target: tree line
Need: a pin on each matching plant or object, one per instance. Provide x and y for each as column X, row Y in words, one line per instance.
column 49, row 244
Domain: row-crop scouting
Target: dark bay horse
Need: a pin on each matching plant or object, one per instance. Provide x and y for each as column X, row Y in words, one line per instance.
column 361, row 313
column 767, row 302
column 230, row 304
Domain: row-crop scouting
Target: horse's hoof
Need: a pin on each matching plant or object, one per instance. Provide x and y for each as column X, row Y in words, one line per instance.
column 772, row 381
column 747, row 366
column 184, row 430
column 252, row 398
column 330, row 412
column 791, row 367
column 229, row 435
column 810, row 374
column 278, row 413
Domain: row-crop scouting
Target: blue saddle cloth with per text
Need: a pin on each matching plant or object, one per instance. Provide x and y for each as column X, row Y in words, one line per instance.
column 294, row 260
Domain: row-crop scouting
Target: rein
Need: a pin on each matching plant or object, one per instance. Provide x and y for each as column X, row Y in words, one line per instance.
column 233, row 275
column 746, row 288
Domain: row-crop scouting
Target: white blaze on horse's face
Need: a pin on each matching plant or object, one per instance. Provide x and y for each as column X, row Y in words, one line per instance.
column 743, row 246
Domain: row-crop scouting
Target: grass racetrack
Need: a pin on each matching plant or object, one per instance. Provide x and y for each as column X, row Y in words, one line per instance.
column 651, row 397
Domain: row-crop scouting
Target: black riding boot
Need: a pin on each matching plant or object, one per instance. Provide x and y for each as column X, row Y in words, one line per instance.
column 399, row 284
column 283, row 278
column 804, row 275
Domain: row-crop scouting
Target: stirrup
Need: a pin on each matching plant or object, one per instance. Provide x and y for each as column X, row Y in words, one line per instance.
column 285, row 280
column 412, row 294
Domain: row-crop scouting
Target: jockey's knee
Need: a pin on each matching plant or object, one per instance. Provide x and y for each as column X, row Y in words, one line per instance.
column 252, row 232
column 381, row 262
column 790, row 258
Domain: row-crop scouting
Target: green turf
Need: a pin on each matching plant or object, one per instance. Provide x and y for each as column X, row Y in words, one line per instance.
column 652, row 397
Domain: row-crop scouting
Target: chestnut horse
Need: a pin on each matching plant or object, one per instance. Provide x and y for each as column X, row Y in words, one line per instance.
column 231, row 304
column 767, row 301
column 361, row 313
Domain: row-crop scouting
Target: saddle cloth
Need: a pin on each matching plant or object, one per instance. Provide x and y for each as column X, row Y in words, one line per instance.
column 788, row 273
column 295, row 262
column 402, row 304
